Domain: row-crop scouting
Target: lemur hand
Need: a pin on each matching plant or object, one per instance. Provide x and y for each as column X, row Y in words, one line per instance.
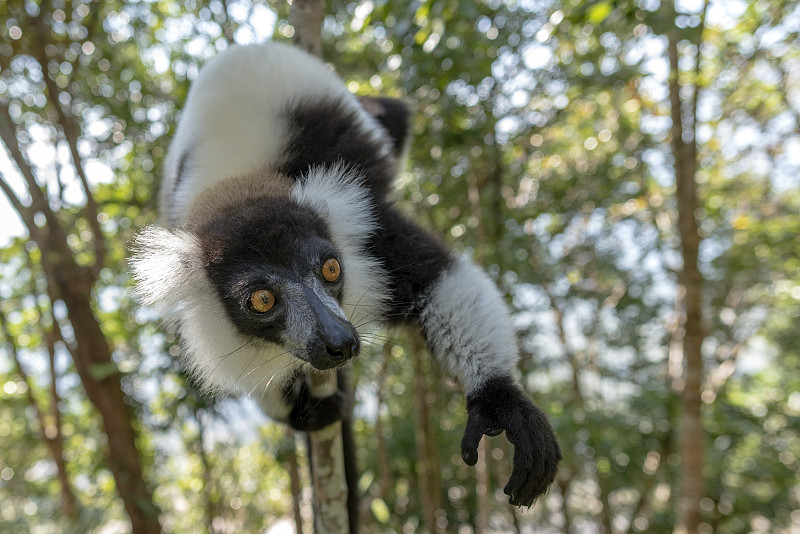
column 311, row 413
column 500, row 405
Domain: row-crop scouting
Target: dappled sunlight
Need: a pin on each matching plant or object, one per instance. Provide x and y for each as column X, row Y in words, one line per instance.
column 544, row 147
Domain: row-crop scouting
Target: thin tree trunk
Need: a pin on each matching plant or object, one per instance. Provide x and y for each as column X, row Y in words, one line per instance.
column 606, row 515
column 294, row 478
column 54, row 437
column 563, row 486
column 482, row 490
column 53, row 433
column 327, row 450
column 327, row 473
column 692, row 435
column 209, row 506
column 306, row 16
column 426, row 469
column 384, row 465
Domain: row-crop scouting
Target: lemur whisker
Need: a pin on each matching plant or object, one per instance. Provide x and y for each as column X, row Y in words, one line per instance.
column 267, row 379
column 263, row 363
column 246, row 366
column 234, row 351
column 381, row 338
column 225, row 356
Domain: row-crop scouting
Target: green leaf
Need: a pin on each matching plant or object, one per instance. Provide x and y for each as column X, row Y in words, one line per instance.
column 598, row 12
column 380, row 510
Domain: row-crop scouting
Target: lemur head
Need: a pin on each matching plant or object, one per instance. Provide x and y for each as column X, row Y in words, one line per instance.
column 262, row 289
column 280, row 279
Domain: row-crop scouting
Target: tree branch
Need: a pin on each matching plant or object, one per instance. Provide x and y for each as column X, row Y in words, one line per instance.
column 71, row 130
column 39, row 202
column 24, row 211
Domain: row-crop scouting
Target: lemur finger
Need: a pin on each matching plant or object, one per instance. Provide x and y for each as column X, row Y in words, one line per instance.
column 472, row 437
column 522, row 470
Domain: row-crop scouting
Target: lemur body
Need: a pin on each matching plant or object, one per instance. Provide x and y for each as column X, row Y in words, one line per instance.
column 281, row 247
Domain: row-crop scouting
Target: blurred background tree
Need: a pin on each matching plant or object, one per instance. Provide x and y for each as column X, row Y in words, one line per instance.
column 554, row 142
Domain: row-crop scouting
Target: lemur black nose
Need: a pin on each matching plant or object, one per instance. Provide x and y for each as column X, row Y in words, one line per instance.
column 335, row 340
column 344, row 350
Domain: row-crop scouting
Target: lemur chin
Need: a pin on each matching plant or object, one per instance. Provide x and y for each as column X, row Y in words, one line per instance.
column 280, row 247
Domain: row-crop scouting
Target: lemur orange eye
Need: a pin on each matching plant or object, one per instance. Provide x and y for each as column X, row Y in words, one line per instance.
column 331, row 270
column 262, row 301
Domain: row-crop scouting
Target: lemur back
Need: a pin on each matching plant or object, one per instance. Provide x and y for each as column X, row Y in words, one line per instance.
column 271, row 110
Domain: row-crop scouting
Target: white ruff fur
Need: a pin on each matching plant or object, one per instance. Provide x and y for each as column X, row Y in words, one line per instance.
column 168, row 268
column 468, row 326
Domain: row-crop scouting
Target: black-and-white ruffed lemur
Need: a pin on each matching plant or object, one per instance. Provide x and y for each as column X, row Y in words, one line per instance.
column 280, row 246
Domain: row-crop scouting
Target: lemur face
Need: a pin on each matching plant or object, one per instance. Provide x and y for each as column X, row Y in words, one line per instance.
column 281, row 279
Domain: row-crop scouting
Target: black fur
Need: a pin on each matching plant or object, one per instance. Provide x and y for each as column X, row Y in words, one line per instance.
column 311, row 413
column 393, row 115
column 325, row 133
column 413, row 258
column 181, row 170
column 500, row 405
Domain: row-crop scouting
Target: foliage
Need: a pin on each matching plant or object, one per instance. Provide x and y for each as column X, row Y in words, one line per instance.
column 541, row 148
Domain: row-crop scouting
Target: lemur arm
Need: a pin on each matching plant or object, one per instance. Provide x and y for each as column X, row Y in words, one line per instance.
column 468, row 329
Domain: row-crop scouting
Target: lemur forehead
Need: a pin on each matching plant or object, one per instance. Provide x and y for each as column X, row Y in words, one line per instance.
column 232, row 193
column 272, row 230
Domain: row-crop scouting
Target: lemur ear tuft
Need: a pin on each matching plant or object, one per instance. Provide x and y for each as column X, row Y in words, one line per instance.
column 166, row 264
column 393, row 115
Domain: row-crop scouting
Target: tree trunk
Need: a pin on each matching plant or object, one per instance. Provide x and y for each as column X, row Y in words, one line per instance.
column 563, row 487
column 306, row 17
column 101, row 381
column 327, row 473
column 209, row 504
column 692, row 435
column 427, row 466
column 482, row 489
column 294, row 478
column 51, row 433
column 384, row 465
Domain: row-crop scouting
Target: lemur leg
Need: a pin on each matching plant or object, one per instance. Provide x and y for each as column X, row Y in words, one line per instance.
column 467, row 326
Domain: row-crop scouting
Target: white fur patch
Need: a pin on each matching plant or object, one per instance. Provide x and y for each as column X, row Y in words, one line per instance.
column 168, row 268
column 338, row 196
column 468, row 326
